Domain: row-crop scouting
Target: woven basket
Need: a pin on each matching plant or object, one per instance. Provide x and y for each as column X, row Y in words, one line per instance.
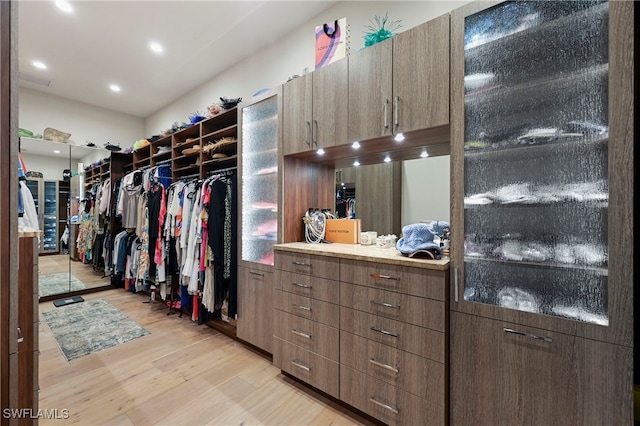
column 51, row 134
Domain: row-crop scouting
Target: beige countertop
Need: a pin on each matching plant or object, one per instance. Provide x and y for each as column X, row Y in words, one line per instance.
column 29, row 234
column 366, row 253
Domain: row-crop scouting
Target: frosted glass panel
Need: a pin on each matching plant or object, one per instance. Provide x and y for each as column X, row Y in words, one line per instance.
column 536, row 165
column 260, row 181
column 50, row 238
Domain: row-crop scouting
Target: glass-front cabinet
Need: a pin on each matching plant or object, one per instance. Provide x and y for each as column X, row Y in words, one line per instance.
column 539, row 158
column 45, row 196
column 260, row 136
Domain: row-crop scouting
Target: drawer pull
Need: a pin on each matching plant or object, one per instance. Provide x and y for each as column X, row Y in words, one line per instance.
column 532, row 336
column 385, row 332
column 304, row 308
column 385, row 366
column 301, row 285
column 304, row 367
column 386, row 305
column 301, row 263
column 256, row 273
column 298, row 333
column 385, row 406
column 384, row 277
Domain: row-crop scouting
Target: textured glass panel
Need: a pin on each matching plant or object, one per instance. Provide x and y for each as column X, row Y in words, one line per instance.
column 50, row 238
column 260, row 180
column 536, row 165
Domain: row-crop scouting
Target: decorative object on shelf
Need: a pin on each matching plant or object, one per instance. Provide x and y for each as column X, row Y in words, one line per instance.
column 55, row 135
column 196, row 117
column 91, row 144
column 314, row 225
column 25, row 133
column 139, row 144
column 418, row 239
column 214, row 110
column 380, row 30
column 213, row 147
column 228, row 103
column 332, row 42
column 191, row 151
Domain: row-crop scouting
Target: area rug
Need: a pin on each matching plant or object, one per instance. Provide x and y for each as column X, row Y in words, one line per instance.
column 50, row 284
column 89, row 327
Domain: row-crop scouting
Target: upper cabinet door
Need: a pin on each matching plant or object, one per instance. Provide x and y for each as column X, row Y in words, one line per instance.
column 542, row 158
column 330, row 105
column 297, row 115
column 421, row 76
column 370, row 92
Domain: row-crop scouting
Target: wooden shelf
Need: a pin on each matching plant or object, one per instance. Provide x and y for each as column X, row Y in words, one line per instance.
column 230, row 131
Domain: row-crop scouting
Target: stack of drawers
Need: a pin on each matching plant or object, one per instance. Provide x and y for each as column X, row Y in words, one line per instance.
column 393, row 345
column 306, row 327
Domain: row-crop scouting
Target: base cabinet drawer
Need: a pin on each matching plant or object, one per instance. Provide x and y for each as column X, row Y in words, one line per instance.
column 310, row 335
column 309, row 264
column 420, row 376
column 306, row 307
column 318, row 371
column 402, row 307
column 407, row 337
column 385, row 402
column 306, row 285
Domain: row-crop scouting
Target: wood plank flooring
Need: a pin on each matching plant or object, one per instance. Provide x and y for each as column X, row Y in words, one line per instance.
column 59, row 263
column 180, row 374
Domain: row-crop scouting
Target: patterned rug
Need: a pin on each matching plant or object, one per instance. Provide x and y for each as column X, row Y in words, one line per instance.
column 58, row 283
column 89, row 327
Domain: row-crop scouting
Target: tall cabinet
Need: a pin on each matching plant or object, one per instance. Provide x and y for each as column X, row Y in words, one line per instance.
column 259, row 207
column 46, row 198
column 542, row 250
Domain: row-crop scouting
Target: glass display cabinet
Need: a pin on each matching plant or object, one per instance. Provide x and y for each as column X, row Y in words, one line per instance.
column 260, row 180
column 542, row 113
column 45, row 196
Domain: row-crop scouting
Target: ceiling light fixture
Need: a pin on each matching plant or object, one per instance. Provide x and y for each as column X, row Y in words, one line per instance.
column 424, row 154
column 114, row 88
column 387, row 159
column 39, row 65
column 156, row 47
column 320, row 151
column 64, row 6
column 55, row 151
column 355, row 145
column 399, row 137
column 356, row 163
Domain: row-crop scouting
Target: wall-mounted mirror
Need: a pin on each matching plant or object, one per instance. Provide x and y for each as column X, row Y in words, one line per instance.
column 387, row 196
column 55, row 180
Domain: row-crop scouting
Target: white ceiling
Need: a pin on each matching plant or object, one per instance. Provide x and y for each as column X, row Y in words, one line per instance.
column 106, row 42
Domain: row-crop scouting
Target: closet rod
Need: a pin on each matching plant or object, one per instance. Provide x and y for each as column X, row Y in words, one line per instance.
column 228, row 169
column 163, row 162
column 195, row 175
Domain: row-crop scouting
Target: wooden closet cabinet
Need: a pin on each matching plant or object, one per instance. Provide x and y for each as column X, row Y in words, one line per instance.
column 401, row 84
column 542, row 140
column 255, row 306
column 315, row 109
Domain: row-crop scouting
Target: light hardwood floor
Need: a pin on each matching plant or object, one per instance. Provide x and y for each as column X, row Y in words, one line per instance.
column 59, row 263
column 180, row 374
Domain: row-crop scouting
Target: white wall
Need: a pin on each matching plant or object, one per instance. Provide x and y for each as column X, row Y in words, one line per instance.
column 425, row 189
column 86, row 123
column 292, row 55
column 50, row 167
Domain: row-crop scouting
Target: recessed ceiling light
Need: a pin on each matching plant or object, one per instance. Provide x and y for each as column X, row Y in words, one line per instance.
column 40, row 65
column 114, row 88
column 424, row 154
column 399, row 137
column 355, row 145
column 156, row 47
column 55, row 151
column 387, row 159
column 320, row 151
column 356, row 163
column 65, row 6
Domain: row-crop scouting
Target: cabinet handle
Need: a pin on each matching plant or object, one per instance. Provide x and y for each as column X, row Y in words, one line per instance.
column 20, row 338
column 298, row 333
column 301, row 264
column 306, row 138
column 531, row 336
column 386, row 305
column 256, row 273
column 386, row 107
column 301, row 285
column 315, row 134
column 297, row 364
column 304, row 308
column 385, row 332
column 385, row 406
column 395, row 110
column 455, row 284
column 385, row 366
column 384, row 277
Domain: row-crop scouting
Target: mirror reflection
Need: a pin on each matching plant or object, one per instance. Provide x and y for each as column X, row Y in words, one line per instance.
column 54, row 177
column 387, row 196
